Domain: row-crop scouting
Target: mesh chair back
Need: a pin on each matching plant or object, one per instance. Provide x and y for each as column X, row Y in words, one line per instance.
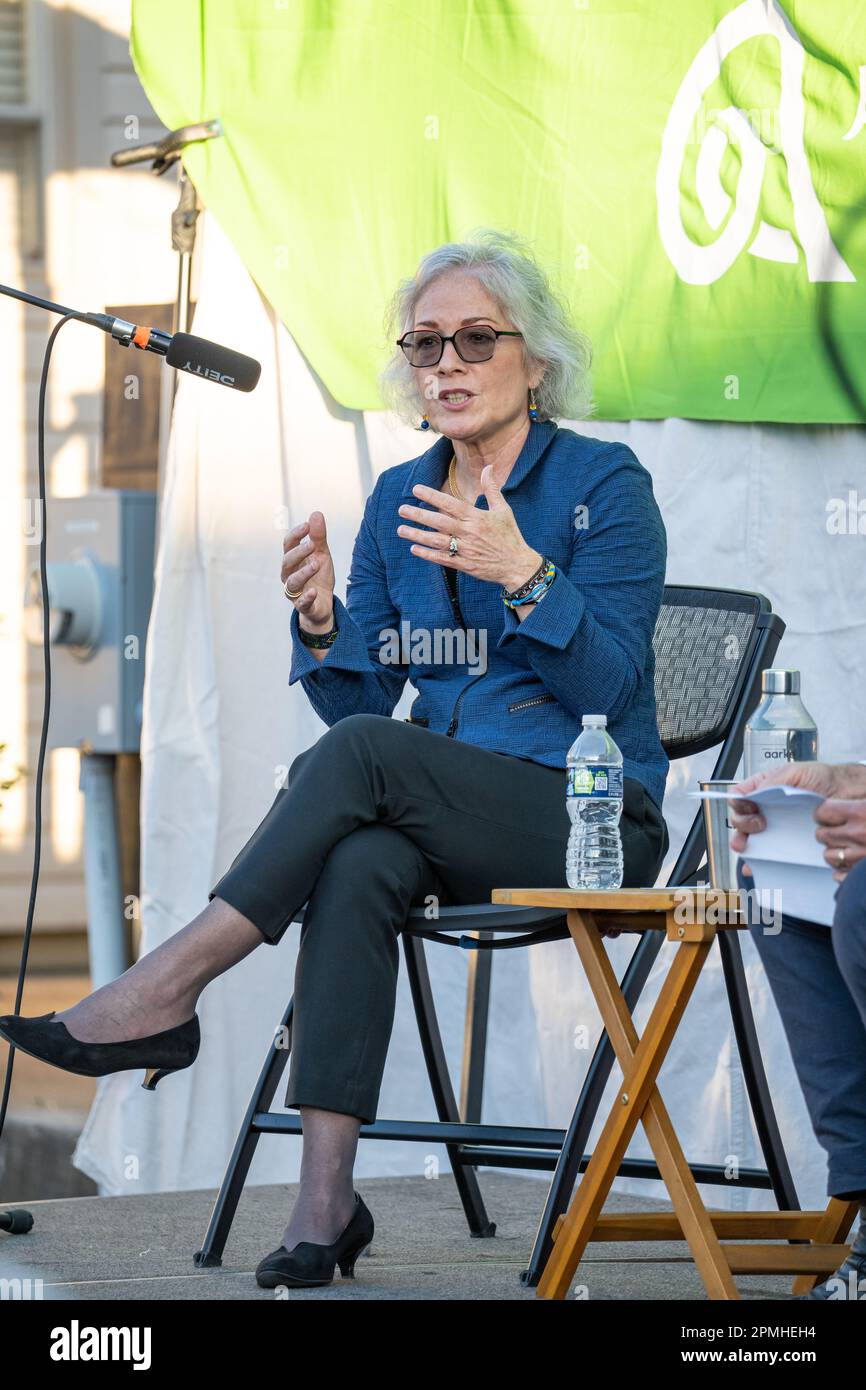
column 703, row 644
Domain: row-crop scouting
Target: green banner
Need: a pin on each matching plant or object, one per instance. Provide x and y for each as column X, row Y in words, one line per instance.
column 693, row 172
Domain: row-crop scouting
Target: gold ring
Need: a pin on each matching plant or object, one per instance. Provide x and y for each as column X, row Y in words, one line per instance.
column 288, row 593
column 841, row 854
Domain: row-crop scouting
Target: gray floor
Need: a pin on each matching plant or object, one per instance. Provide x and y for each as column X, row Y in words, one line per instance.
column 142, row 1248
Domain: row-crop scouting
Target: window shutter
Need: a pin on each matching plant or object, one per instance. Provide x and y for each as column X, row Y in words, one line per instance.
column 13, row 81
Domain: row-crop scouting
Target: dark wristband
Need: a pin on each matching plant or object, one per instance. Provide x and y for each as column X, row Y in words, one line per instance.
column 318, row 639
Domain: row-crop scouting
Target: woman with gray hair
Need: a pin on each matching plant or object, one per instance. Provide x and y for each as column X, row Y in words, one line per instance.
column 512, row 573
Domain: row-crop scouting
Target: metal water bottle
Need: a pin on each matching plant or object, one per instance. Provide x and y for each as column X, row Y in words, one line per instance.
column 781, row 729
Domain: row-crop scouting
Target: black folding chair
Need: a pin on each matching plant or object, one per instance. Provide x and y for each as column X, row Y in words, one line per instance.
column 710, row 646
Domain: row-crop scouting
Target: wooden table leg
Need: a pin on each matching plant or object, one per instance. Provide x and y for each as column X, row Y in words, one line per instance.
column 832, row 1227
column 695, row 1223
column 640, row 1067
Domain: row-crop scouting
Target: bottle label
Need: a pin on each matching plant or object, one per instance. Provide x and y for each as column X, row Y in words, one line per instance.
column 597, row 780
column 769, row 748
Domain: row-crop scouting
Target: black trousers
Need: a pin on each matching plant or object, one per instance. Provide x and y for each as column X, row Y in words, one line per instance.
column 376, row 817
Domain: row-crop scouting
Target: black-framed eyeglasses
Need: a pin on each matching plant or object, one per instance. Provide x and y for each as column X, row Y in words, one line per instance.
column 424, row 348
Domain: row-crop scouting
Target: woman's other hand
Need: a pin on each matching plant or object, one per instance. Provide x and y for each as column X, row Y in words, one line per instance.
column 842, row 832
column 489, row 543
column 308, row 570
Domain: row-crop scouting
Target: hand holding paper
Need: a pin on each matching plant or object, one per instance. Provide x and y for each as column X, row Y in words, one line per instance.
column 840, row 819
column 786, row 856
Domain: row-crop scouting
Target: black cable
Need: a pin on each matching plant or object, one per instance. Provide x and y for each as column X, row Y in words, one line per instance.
column 15, row 1217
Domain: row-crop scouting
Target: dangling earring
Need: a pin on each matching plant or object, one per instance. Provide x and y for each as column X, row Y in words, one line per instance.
column 425, row 423
column 533, row 408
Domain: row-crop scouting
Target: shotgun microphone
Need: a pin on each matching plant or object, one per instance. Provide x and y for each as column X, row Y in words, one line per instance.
column 183, row 351
column 213, row 362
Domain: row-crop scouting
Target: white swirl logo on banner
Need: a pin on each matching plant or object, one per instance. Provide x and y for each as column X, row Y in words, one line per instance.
column 698, row 264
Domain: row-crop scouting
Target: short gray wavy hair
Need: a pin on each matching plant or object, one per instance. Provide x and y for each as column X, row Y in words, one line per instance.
column 506, row 267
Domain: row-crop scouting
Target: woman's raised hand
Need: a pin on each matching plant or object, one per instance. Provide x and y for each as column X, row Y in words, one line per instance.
column 308, row 570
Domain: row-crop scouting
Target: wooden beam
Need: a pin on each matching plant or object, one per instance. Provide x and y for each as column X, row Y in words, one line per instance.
column 728, row 1225
column 784, row 1259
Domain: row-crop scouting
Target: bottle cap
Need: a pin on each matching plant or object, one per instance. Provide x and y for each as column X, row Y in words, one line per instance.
column 779, row 682
column 595, row 721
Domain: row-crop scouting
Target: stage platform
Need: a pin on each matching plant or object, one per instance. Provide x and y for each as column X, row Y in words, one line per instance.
column 142, row 1247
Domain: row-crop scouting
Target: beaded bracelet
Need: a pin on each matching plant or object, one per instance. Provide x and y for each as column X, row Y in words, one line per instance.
column 545, row 588
column 537, row 593
column 530, row 584
column 318, row 639
column 517, row 599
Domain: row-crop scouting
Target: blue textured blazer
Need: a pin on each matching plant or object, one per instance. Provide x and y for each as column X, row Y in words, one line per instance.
column 510, row 686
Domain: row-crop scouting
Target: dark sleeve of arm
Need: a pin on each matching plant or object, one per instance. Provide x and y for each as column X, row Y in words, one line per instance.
column 351, row 679
column 588, row 638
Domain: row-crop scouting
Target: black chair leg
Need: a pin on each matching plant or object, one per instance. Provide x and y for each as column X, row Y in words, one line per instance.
column 475, row 1031
column 232, row 1186
column 440, row 1083
column 753, row 1072
column 577, row 1137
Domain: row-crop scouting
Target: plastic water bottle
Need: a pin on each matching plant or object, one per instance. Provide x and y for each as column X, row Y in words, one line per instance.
column 594, row 803
column 781, row 729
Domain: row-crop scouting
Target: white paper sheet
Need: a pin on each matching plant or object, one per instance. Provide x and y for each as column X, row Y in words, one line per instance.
column 786, row 860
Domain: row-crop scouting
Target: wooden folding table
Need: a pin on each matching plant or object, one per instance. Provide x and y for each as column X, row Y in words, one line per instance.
column 690, row 917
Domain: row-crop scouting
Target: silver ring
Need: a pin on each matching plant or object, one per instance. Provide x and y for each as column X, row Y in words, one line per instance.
column 452, row 546
column 288, row 592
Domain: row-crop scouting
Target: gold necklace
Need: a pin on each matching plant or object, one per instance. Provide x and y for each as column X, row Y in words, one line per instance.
column 455, row 491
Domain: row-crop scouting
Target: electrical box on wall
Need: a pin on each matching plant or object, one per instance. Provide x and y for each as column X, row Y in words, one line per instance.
column 100, row 561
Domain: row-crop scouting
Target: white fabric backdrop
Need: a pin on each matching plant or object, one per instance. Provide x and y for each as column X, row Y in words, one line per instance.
column 745, row 506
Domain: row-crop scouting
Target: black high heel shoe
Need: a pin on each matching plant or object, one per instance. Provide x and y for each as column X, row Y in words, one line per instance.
column 310, row 1265
column 160, row 1054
